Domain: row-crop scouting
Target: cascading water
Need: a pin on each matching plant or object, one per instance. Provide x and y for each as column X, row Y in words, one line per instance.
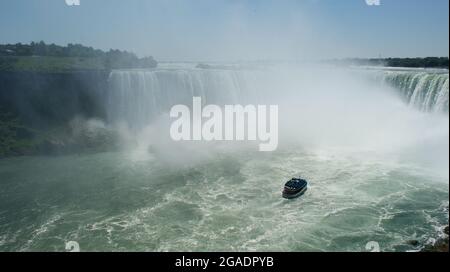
column 138, row 96
column 347, row 105
column 427, row 91
column 378, row 170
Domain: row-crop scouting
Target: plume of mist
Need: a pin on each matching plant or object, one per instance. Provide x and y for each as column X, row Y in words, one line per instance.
column 326, row 110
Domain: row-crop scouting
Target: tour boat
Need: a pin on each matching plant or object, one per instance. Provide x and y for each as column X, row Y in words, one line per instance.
column 294, row 188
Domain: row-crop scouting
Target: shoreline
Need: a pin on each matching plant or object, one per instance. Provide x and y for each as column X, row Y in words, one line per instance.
column 440, row 245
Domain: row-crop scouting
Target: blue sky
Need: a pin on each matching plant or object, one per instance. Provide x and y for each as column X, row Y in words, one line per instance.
column 235, row 29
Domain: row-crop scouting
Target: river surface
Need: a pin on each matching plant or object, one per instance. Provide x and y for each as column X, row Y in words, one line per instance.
column 377, row 169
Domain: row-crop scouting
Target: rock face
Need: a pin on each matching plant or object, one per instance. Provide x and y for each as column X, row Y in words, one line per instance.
column 53, row 113
column 52, row 99
column 441, row 245
column 414, row 243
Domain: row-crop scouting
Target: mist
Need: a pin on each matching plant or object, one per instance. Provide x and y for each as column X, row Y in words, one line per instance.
column 324, row 110
column 86, row 155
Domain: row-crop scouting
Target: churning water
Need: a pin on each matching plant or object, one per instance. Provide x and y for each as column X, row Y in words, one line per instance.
column 374, row 149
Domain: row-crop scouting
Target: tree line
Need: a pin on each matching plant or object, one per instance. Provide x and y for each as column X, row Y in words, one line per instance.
column 428, row 62
column 112, row 59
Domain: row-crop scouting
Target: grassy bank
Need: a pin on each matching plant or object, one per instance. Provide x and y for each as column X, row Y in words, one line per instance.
column 42, row 57
column 16, row 138
column 77, row 136
column 49, row 64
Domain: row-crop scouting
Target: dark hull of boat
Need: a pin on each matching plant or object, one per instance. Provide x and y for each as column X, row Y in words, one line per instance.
column 288, row 194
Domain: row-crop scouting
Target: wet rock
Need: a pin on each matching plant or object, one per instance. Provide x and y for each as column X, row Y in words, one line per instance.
column 441, row 245
column 413, row 243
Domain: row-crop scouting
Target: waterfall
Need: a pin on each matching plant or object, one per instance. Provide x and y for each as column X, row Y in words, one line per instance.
column 427, row 91
column 138, row 96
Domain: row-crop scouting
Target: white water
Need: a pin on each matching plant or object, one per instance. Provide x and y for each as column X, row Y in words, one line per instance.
column 377, row 171
column 137, row 96
column 427, row 91
column 321, row 109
